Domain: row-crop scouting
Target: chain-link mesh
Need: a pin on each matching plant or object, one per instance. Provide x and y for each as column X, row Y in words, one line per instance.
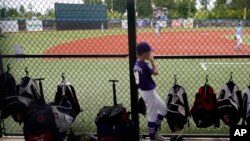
column 98, row 27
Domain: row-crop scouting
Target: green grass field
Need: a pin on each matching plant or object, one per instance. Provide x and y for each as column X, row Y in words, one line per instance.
column 90, row 76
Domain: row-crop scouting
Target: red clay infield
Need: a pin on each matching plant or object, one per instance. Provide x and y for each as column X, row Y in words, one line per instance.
column 169, row 43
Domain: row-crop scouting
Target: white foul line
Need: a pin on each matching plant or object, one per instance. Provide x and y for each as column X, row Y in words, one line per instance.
column 204, row 65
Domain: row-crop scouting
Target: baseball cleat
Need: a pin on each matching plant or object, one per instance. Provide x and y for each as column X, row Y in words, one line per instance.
column 160, row 137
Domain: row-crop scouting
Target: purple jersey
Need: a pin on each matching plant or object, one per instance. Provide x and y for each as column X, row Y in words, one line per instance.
column 145, row 81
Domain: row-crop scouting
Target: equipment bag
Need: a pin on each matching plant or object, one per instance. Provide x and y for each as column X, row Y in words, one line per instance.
column 113, row 123
column 7, row 89
column 27, row 93
column 205, row 110
column 230, row 104
column 178, row 108
column 40, row 124
column 19, row 97
column 28, row 88
column 66, row 91
column 246, row 106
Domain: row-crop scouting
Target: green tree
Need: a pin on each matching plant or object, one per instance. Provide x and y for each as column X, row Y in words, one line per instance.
column 240, row 4
column 221, row 2
column 117, row 5
column 233, row 9
column 92, row 1
column 22, row 10
column 170, row 4
column 50, row 14
column 3, row 12
column 120, row 6
column 144, row 9
column 12, row 13
column 202, row 14
column 183, row 9
column 113, row 6
column 28, row 15
column 115, row 15
column 186, row 8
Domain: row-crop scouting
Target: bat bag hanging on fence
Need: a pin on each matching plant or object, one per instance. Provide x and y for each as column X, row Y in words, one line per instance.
column 65, row 91
column 205, row 110
column 26, row 93
column 7, row 89
column 28, row 88
column 230, row 104
column 246, row 106
column 178, row 109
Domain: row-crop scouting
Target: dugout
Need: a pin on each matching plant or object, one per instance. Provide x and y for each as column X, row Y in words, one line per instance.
column 80, row 16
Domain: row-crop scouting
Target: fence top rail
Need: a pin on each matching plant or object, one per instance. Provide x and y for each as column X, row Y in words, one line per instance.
column 200, row 56
column 123, row 56
column 66, row 56
column 211, row 136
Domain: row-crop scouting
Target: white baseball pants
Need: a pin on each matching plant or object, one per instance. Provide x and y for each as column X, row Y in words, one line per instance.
column 154, row 105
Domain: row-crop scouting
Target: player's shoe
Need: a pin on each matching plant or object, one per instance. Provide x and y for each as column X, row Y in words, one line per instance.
column 159, row 137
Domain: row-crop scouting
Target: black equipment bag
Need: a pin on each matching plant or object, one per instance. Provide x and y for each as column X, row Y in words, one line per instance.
column 7, row 89
column 178, row 108
column 113, row 123
column 66, row 92
column 230, row 104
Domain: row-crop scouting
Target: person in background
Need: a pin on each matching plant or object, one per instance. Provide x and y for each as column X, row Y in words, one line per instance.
column 238, row 36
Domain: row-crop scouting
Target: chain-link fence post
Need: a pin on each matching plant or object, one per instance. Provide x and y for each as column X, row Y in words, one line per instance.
column 1, row 64
column 1, row 71
column 2, row 131
column 132, row 59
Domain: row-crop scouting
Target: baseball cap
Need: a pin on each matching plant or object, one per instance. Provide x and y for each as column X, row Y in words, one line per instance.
column 143, row 47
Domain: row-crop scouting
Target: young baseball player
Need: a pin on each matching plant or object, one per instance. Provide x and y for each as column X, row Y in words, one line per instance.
column 157, row 29
column 238, row 36
column 156, row 108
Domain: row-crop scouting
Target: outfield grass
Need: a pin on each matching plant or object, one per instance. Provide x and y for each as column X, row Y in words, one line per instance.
column 90, row 76
column 38, row 42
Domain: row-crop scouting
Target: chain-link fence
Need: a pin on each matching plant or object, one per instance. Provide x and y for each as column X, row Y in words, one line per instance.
column 88, row 41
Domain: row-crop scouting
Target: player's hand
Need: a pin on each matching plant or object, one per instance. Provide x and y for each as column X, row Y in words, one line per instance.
column 151, row 57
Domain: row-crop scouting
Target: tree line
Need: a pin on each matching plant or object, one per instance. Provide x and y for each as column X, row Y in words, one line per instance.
column 226, row 9
column 22, row 13
column 222, row 9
